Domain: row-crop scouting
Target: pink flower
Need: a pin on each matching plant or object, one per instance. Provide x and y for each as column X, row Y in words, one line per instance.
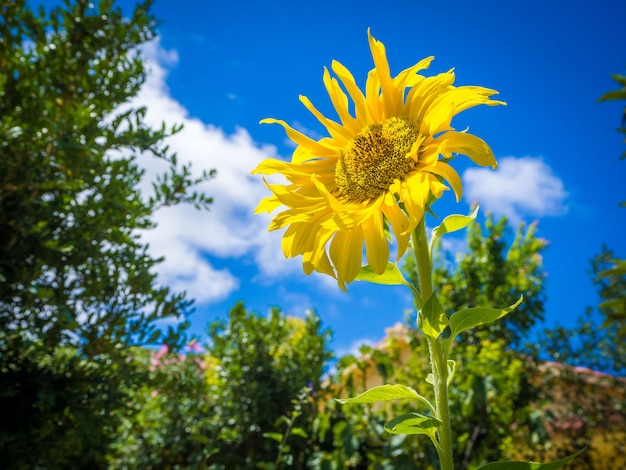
column 194, row 346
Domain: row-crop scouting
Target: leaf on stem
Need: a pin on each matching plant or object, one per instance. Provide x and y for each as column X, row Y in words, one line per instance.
column 383, row 393
column 530, row 465
column 431, row 318
column 452, row 223
column 413, row 423
column 451, row 370
column 390, row 276
column 469, row 318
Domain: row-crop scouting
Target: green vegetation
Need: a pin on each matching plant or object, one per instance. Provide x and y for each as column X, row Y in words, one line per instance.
column 79, row 300
column 77, row 286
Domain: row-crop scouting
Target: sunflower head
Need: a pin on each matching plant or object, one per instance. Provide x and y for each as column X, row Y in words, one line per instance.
column 368, row 182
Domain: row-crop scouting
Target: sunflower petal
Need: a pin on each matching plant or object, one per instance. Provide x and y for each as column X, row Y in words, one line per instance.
column 338, row 132
column 391, row 96
column 346, row 253
column 340, row 102
column 376, row 245
column 363, row 116
column 450, row 175
column 470, row 145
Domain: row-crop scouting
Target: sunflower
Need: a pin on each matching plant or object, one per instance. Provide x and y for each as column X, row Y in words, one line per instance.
column 372, row 178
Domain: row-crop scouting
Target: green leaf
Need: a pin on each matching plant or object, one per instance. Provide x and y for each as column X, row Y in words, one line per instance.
column 383, row 393
column 530, row 465
column 413, row 423
column 278, row 437
column 469, row 318
column 390, row 276
column 299, row 432
column 431, row 319
column 453, row 223
column 451, row 370
column 613, row 95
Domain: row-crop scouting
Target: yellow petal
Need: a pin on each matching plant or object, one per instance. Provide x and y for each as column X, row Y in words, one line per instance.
column 372, row 92
column 391, row 97
column 376, row 245
column 340, row 102
column 346, row 253
column 316, row 149
column 424, row 93
column 337, row 131
column 469, row 145
column 409, row 77
column 268, row 205
column 363, row 116
column 450, row 175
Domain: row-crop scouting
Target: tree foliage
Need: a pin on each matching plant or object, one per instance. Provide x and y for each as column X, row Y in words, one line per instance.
column 77, row 286
column 228, row 411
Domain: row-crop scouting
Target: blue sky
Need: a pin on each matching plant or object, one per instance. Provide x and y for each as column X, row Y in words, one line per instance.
column 220, row 67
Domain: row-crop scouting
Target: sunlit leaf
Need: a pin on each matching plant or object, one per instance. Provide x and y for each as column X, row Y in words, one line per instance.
column 413, row 423
column 432, row 319
column 469, row 318
column 391, row 276
column 451, row 370
column 299, row 432
column 383, row 393
column 453, row 223
column 274, row 436
column 530, row 465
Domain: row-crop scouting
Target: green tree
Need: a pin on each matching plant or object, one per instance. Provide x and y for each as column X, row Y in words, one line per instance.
column 249, row 399
column 262, row 364
column 589, row 363
column 612, row 279
column 77, row 286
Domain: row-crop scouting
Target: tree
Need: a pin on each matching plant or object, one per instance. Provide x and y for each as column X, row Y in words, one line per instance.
column 612, row 279
column 77, row 286
column 231, row 405
column 261, row 365
column 593, row 399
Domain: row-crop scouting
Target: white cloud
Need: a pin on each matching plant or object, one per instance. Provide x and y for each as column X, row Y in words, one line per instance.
column 185, row 236
column 519, row 187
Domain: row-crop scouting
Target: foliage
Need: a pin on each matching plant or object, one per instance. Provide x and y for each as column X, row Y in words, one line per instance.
column 492, row 414
column 621, row 96
column 612, row 280
column 588, row 369
column 227, row 411
column 173, row 420
column 489, row 272
column 77, row 286
column 263, row 365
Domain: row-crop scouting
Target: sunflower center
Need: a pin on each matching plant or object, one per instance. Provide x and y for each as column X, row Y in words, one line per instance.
column 375, row 158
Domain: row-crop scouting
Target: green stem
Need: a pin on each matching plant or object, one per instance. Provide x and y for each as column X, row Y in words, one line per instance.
column 437, row 360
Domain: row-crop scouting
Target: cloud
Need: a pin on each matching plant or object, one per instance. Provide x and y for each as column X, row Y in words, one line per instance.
column 519, row 187
column 188, row 238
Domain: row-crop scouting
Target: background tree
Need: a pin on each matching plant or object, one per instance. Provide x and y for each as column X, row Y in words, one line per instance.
column 612, row 279
column 77, row 286
column 588, row 369
column 261, row 365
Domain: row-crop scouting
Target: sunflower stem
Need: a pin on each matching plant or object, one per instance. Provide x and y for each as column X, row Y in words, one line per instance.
column 438, row 362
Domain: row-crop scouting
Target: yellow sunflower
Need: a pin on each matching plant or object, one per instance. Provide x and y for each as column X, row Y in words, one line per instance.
column 376, row 170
